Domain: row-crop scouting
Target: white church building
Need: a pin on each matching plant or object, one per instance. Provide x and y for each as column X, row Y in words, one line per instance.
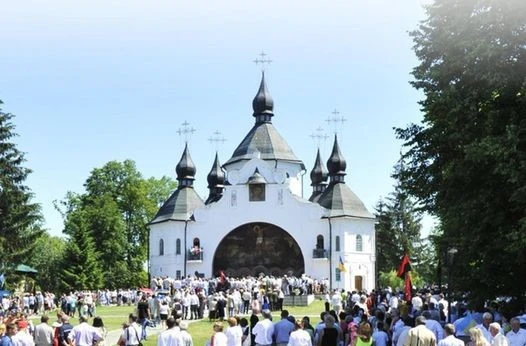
column 255, row 221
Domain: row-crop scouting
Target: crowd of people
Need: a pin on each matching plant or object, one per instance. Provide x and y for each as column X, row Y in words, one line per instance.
column 17, row 329
column 378, row 317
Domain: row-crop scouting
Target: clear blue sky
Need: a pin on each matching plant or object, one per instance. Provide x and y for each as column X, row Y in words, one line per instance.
column 94, row 81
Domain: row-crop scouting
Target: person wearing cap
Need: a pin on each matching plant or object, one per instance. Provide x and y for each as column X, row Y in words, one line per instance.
column 185, row 336
column 44, row 333
column 23, row 337
column 450, row 339
column 420, row 335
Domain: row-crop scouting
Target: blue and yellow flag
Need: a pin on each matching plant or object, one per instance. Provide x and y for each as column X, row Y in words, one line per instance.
column 341, row 265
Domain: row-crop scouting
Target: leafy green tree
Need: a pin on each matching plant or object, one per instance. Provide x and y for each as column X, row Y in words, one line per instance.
column 47, row 259
column 114, row 210
column 20, row 218
column 467, row 160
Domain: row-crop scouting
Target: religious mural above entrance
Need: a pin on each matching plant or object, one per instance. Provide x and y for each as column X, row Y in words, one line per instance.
column 258, row 248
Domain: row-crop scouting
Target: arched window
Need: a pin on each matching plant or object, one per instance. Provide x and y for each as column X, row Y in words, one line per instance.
column 178, row 246
column 197, row 243
column 319, row 242
column 337, row 243
column 359, row 243
column 161, row 247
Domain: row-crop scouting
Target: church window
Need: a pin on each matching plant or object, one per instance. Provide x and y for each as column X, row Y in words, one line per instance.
column 319, row 242
column 178, row 246
column 337, row 243
column 161, row 247
column 359, row 243
column 178, row 275
column 256, row 192
column 338, row 275
column 197, row 243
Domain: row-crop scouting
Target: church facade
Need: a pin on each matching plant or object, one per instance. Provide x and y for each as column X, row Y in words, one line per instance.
column 255, row 221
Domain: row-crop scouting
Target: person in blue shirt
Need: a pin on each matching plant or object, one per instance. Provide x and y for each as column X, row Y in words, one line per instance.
column 282, row 329
column 380, row 337
column 7, row 339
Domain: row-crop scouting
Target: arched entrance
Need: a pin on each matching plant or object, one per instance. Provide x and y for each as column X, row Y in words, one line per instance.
column 256, row 248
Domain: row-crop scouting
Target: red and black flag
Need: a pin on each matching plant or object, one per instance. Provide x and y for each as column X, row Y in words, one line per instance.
column 404, row 272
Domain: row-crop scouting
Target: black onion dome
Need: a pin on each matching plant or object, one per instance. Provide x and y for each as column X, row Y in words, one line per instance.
column 185, row 169
column 216, row 177
column 319, row 173
column 263, row 103
column 336, row 163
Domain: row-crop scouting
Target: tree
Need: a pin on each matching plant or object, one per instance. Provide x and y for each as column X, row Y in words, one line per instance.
column 81, row 268
column 398, row 231
column 20, row 218
column 467, row 160
column 114, row 210
column 47, row 259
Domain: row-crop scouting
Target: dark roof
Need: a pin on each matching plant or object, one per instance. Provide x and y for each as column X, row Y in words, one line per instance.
column 336, row 162
column 342, row 201
column 265, row 139
column 316, row 194
column 319, row 173
column 179, row 206
column 216, row 176
column 185, row 169
column 263, row 102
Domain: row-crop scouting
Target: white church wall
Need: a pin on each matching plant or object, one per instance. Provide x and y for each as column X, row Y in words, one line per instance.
column 170, row 262
column 300, row 218
column 358, row 263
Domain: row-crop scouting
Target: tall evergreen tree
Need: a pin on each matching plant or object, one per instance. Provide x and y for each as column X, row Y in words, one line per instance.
column 398, row 229
column 81, row 268
column 467, row 161
column 20, row 218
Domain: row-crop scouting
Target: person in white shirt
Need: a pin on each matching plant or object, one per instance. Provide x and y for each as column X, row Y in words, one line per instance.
column 299, row 337
column 336, row 301
column 130, row 335
column 516, row 336
column 171, row 336
column 44, row 332
column 450, row 339
column 234, row 333
column 219, row 338
column 23, row 337
column 487, row 318
column 263, row 330
column 498, row 338
column 83, row 334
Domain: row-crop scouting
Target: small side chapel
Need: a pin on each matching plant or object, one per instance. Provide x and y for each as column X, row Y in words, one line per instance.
column 255, row 221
